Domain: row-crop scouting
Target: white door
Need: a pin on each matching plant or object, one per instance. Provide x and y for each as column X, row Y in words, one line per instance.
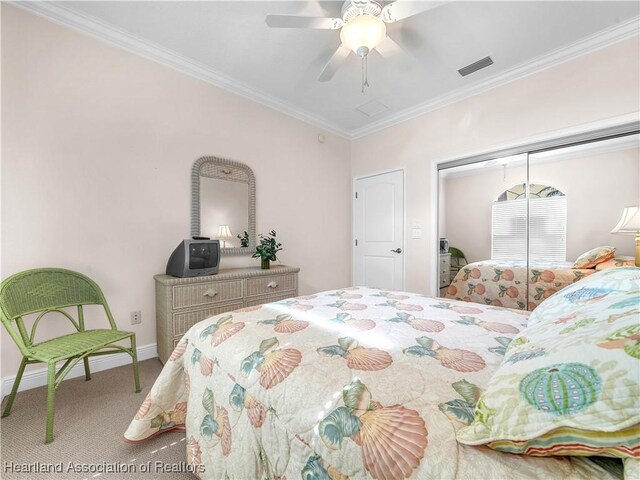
column 378, row 250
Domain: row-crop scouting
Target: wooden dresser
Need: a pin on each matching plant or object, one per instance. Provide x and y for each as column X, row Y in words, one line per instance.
column 445, row 269
column 183, row 302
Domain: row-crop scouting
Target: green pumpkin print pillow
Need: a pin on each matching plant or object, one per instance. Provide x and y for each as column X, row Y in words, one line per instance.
column 569, row 383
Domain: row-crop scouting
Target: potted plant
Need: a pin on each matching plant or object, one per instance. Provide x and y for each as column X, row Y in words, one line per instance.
column 244, row 239
column 267, row 249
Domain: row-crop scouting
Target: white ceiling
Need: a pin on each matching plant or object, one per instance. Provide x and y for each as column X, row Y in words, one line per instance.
column 231, row 39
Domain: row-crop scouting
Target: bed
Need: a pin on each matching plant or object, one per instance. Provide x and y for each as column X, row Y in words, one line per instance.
column 504, row 283
column 355, row 383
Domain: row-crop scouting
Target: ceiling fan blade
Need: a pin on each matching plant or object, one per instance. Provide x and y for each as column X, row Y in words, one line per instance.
column 388, row 48
column 334, row 63
column 403, row 9
column 295, row 21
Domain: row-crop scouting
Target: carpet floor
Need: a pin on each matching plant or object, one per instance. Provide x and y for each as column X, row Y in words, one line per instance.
column 90, row 420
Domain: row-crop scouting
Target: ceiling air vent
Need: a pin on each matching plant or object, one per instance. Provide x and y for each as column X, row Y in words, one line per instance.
column 372, row 108
column 475, row 66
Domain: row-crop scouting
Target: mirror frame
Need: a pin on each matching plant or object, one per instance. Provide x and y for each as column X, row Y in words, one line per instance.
column 230, row 170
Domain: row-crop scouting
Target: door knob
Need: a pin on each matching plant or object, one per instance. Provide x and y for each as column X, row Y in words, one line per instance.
column 397, row 250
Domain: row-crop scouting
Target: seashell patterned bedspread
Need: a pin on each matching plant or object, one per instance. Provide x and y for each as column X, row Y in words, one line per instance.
column 357, row 383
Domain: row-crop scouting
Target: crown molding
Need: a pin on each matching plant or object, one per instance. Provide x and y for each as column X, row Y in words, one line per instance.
column 60, row 14
column 63, row 15
column 622, row 31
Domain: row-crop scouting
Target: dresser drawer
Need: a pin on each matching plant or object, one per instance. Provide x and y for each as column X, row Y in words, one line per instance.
column 271, row 284
column 268, row 299
column 184, row 321
column 206, row 293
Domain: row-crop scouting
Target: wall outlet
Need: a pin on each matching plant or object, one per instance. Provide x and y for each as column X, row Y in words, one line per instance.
column 136, row 317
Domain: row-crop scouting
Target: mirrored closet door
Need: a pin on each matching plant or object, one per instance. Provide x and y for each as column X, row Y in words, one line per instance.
column 577, row 196
column 483, row 231
column 515, row 229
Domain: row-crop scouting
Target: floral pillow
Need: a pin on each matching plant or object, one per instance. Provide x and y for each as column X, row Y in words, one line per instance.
column 594, row 256
column 617, row 262
column 568, row 384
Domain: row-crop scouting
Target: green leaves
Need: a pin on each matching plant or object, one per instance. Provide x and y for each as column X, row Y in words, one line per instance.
column 468, row 391
column 244, row 239
column 251, row 362
column 356, row 395
column 502, row 348
column 207, row 401
column 418, row 351
column 345, row 342
column 209, row 426
column 332, row 350
column 458, row 409
column 462, row 410
column 157, row 422
column 267, row 344
column 339, row 424
column 425, row 342
column 236, row 398
column 268, row 247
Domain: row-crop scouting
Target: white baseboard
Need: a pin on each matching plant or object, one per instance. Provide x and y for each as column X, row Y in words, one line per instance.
column 38, row 378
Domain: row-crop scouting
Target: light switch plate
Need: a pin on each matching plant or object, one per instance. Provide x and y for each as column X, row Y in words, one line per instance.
column 416, row 233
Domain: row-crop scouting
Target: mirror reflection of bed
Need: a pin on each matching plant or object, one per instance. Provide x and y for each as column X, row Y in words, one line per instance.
column 514, row 247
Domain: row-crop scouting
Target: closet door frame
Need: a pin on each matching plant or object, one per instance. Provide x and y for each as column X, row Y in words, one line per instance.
column 603, row 130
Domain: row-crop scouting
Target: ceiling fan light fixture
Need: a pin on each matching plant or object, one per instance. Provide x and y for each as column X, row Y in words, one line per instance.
column 363, row 33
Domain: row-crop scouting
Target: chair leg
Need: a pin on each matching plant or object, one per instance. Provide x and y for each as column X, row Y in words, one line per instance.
column 134, row 356
column 87, row 372
column 14, row 389
column 51, row 400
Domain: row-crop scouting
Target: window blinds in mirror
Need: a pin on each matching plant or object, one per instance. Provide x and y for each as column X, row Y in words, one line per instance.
column 547, row 229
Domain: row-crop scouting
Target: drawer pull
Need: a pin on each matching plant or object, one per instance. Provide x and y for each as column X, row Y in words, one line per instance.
column 210, row 293
column 272, row 285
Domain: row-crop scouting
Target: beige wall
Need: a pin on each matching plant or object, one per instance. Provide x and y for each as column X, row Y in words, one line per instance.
column 597, row 187
column 97, row 151
column 98, row 145
column 597, row 86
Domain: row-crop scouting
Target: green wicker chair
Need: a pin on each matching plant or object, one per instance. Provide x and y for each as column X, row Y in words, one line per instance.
column 458, row 260
column 45, row 290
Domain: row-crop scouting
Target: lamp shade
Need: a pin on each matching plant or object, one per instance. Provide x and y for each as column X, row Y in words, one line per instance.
column 363, row 31
column 629, row 223
column 224, row 232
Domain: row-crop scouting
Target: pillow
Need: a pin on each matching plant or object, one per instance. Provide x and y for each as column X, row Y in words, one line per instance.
column 568, row 384
column 617, row 262
column 594, row 256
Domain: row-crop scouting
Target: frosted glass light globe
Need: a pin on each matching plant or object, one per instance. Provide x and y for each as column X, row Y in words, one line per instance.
column 363, row 31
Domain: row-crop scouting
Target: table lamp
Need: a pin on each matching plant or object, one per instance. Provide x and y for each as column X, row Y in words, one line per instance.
column 224, row 234
column 629, row 224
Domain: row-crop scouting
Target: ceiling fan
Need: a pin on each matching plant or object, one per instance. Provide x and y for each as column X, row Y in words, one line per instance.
column 362, row 29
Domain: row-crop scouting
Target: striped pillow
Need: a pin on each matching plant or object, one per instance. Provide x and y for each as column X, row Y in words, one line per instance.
column 568, row 385
column 567, row 441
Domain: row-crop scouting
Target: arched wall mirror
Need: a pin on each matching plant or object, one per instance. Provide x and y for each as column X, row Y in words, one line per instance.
column 223, row 204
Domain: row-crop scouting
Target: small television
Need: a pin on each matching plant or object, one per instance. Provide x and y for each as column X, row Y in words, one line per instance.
column 444, row 245
column 194, row 257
